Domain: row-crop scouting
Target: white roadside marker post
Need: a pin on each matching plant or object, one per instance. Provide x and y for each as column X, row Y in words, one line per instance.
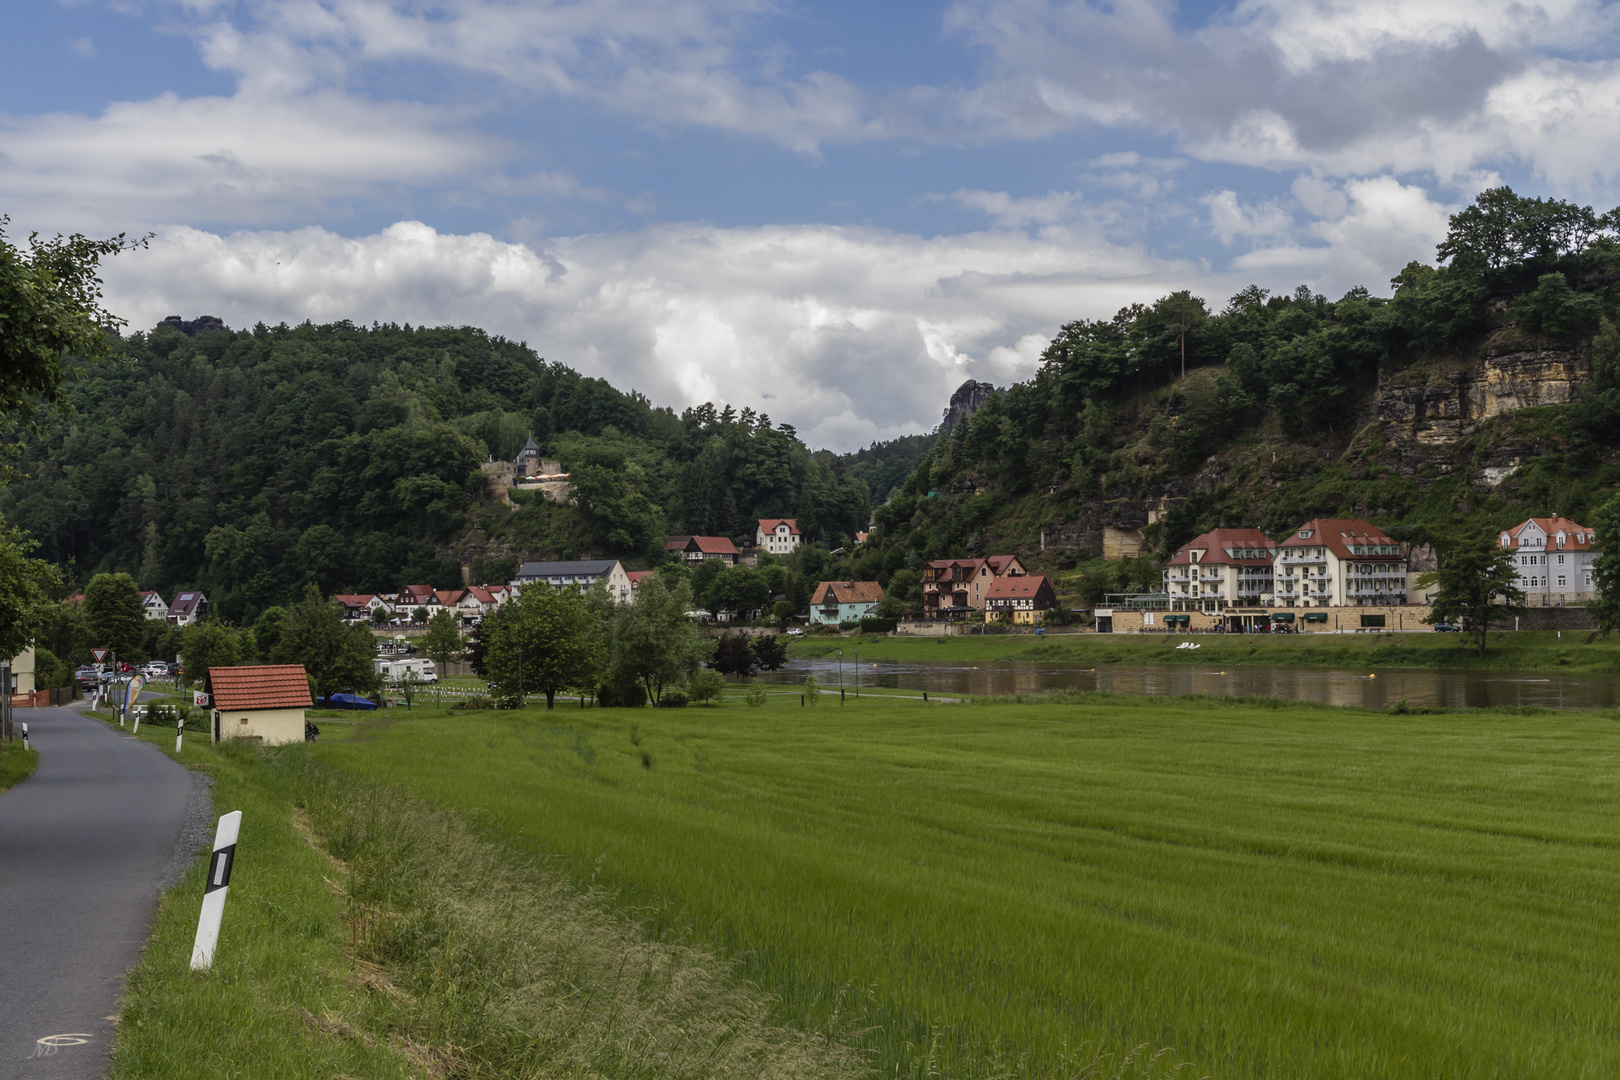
column 25, row 735
column 219, row 881
column 179, row 728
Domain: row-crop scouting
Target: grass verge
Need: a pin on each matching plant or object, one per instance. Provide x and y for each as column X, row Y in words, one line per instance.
column 16, row 764
column 368, row 934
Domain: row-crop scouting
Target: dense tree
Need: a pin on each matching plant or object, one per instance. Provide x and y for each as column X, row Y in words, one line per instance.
column 442, row 642
column 732, row 657
column 1605, row 608
column 337, row 656
column 1478, row 584
column 25, row 610
column 738, row 591
column 770, row 651
column 113, row 613
column 652, row 642
column 50, row 308
column 546, row 640
column 207, row 645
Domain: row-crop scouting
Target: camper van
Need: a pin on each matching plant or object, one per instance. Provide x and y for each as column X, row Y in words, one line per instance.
column 398, row 670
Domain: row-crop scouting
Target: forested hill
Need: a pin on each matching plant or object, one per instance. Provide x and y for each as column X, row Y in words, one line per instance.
column 249, row 463
column 1485, row 389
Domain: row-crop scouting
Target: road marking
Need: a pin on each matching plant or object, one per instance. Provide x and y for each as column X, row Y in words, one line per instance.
column 74, row 1039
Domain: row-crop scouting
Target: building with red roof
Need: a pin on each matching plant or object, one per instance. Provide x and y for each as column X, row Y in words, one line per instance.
column 956, row 587
column 1222, row 568
column 779, row 536
column 697, row 549
column 1339, row 562
column 264, row 702
column 1554, row 556
column 1025, row 598
column 834, row 602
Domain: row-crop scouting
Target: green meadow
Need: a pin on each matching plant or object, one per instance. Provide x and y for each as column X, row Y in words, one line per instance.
column 1536, row 650
column 1003, row 889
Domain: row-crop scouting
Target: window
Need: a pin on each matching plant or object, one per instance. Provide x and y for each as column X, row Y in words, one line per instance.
column 1560, row 560
column 1560, row 581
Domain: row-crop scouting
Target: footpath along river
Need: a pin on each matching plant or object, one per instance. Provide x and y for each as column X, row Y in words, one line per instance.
column 1370, row 688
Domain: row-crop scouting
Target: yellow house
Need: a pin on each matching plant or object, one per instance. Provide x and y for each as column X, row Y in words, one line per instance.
column 265, row 703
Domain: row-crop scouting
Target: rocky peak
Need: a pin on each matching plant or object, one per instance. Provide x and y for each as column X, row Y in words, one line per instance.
column 968, row 399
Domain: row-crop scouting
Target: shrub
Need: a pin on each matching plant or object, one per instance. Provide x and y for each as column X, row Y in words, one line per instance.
column 812, row 691
column 875, row 625
column 757, row 696
column 671, row 699
column 625, row 695
column 705, row 685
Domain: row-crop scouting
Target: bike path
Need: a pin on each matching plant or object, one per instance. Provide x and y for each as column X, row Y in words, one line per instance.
column 83, row 846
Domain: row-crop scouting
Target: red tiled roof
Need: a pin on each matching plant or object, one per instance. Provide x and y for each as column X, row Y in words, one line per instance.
column 847, row 592
column 637, row 576
column 676, row 543
column 768, row 525
column 714, row 545
column 268, row 686
column 1577, row 537
column 1017, row 587
column 1217, row 542
column 450, row 597
column 1338, row 534
column 999, row 563
column 481, row 594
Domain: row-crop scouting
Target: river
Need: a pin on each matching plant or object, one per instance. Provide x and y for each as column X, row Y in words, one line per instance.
column 1371, row 689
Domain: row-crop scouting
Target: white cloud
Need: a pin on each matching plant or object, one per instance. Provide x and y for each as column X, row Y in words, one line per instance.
column 1016, row 213
column 856, row 333
column 1231, row 219
column 238, row 159
column 82, row 47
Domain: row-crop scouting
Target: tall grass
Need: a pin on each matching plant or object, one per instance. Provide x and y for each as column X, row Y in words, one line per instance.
column 1000, row 890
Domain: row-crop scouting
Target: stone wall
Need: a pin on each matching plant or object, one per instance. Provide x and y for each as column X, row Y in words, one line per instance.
column 1340, row 620
column 1547, row 618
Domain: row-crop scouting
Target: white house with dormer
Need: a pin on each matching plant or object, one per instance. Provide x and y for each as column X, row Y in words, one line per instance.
column 154, row 606
column 1554, row 557
column 779, row 536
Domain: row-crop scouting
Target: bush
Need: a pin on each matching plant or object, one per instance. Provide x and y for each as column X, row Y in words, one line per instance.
column 626, row 695
column 874, row 625
column 757, row 696
column 848, row 624
column 49, row 672
column 705, row 685
column 671, row 699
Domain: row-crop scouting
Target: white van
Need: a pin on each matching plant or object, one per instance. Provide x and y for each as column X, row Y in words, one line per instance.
column 398, row 670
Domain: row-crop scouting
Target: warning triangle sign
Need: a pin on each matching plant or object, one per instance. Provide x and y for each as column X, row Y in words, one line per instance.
column 99, row 654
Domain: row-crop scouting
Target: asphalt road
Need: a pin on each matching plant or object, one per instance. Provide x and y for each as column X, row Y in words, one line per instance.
column 83, row 845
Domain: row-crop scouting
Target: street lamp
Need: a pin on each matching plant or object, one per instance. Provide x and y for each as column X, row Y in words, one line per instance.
column 857, row 671
column 840, row 676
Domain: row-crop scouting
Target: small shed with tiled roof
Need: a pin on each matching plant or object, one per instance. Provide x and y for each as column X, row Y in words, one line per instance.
column 265, row 702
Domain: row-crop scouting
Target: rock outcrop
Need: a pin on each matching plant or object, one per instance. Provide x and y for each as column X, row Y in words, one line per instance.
column 968, row 399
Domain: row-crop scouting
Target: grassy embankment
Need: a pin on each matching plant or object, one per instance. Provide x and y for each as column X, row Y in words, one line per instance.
column 1526, row 650
column 1273, row 890
column 16, row 764
column 370, row 935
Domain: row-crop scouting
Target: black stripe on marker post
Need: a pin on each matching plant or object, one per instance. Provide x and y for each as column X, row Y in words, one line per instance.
column 219, row 871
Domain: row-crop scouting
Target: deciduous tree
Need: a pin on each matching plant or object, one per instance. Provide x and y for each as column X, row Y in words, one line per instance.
column 1605, row 607
column 24, row 607
column 335, row 655
column 112, row 608
column 442, row 642
column 545, row 640
column 651, row 640
column 1478, row 583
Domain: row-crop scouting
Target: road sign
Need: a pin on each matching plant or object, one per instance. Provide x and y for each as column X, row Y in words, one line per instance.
column 199, row 699
column 99, row 654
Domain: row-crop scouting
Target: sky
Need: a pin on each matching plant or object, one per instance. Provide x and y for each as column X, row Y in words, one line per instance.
column 834, row 213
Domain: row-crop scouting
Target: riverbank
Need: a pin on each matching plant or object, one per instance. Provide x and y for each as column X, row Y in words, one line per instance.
column 1507, row 650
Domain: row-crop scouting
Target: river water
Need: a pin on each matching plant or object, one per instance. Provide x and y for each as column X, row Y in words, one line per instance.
column 1371, row 688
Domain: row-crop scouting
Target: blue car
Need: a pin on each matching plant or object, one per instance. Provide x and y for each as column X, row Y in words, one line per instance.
column 347, row 701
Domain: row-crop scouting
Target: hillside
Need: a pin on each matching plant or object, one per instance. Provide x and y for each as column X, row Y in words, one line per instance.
column 1482, row 391
column 247, row 463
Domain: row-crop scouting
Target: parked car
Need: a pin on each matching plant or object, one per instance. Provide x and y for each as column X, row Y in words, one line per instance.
column 796, row 632
column 87, row 675
column 157, row 669
column 1446, row 628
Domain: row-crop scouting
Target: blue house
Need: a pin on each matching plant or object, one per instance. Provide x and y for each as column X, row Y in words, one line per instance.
column 834, row 602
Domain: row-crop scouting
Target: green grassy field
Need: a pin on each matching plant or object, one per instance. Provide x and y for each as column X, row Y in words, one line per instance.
column 1272, row 891
column 1528, row 650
